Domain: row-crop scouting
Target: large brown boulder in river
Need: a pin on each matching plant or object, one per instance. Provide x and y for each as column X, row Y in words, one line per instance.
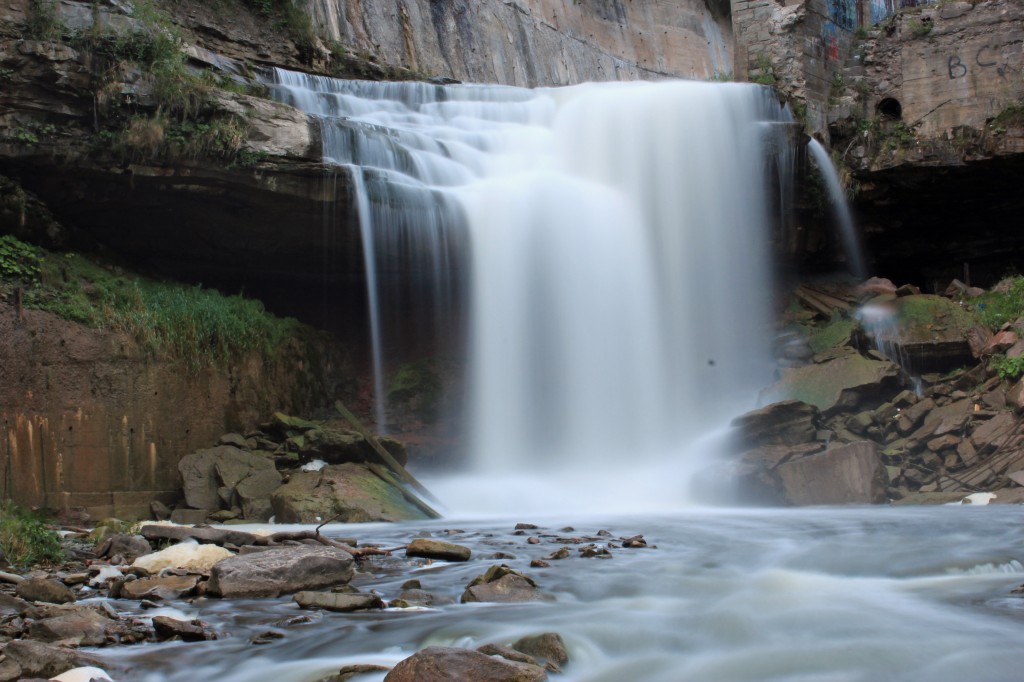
column 448, row 664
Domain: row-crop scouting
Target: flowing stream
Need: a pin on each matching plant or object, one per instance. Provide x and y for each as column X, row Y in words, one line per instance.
column 827, row 594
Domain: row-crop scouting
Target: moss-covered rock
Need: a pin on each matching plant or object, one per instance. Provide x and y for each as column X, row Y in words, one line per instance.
column 843, row 382
column 349, row 493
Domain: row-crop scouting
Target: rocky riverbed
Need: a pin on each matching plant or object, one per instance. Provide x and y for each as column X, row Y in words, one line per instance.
column 50, row 617
column 723, row 595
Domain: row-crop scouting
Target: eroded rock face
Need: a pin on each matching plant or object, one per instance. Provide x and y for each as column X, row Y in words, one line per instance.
column 540, row 42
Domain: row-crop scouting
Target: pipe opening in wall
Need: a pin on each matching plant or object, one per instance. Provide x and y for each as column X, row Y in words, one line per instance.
column 890, row 108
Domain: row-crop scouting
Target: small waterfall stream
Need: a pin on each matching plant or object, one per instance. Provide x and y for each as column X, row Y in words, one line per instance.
column 844, row 220
column 614, row 237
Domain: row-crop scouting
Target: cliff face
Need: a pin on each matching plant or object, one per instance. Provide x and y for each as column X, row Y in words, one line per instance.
column 185, row 170
column 535, row 42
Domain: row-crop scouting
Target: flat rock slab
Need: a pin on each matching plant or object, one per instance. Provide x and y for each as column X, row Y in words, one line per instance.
column 165, row 587
column 186, row 631
column 437, row 549
column 840, row 383
column 341, row 603
column 280, row 571
column 447, row 664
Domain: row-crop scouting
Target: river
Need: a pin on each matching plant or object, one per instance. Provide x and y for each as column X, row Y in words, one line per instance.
column 731, row 595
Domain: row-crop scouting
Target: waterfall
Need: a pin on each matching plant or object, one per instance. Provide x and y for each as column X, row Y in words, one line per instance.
column 614, row 242
column 841, row 209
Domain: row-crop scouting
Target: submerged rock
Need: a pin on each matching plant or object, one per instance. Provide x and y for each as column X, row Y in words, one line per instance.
column 341, row 603
column 502, row 584
column 437, row 549
column 547, row 646
column 447, row 664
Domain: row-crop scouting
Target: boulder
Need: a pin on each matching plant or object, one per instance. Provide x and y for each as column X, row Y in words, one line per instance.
column 996, row 432
column 254, row 493
column 350, row 493
column 503, row 585
column 547, row 646
column 84, row 627
column 123, row 545
column 186, row 631
column 35, row 659
column 341, row 603
column 841, row 383
column 850, row 474
column 44, row 590
column 281, row 571
column 160, row 587
column 204, row 472
column 437, row 549
column 447, row 664
column 789, row 422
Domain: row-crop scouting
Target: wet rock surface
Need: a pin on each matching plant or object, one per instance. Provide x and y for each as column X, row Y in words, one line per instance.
column 42, row 639
column 902, row 436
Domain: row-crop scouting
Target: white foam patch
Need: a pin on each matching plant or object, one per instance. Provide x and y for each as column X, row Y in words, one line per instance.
column 86, row 674
column 189, row 555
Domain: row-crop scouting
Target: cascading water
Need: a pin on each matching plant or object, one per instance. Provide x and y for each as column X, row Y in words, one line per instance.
column 615, row 236
column 847, row 231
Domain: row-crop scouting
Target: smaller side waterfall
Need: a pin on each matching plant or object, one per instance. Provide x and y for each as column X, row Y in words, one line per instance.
column 847, row 231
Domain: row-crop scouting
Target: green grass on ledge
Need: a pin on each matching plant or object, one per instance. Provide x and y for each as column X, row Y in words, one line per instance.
column 199, row 326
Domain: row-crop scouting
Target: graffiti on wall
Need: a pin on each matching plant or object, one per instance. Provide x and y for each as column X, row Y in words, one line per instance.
column 830, row 41
column 843, row 13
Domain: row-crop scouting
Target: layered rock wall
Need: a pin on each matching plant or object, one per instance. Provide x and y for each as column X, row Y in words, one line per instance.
column 535, row 42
